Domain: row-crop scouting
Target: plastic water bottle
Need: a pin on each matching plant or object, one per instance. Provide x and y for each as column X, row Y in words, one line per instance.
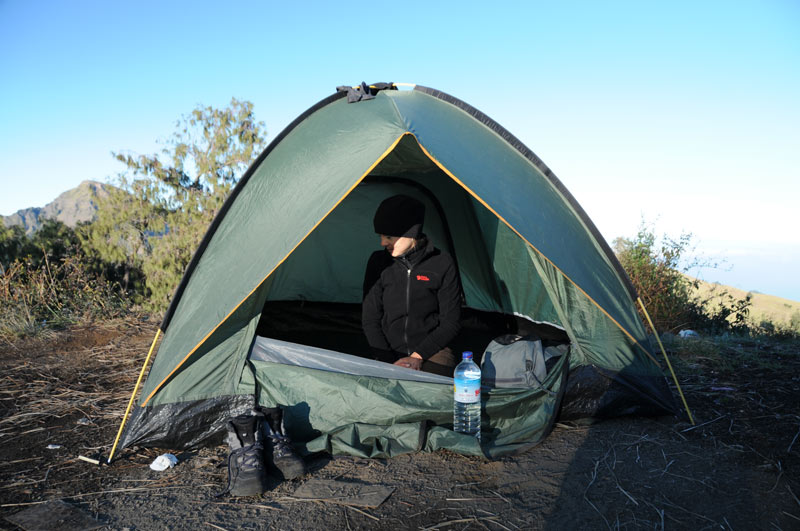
column 467, row 394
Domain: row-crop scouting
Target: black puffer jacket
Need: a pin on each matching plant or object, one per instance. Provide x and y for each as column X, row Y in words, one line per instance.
column 411, row 303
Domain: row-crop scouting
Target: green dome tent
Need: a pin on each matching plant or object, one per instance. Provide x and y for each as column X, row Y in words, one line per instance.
column 268, row 309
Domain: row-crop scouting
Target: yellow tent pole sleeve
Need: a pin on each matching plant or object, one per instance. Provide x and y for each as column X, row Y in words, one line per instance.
column 133, row 395
column 664, row 352
column 374, row 164
column 501, row 218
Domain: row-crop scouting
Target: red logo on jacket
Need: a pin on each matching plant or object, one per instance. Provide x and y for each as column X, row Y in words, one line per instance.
column 423, row 278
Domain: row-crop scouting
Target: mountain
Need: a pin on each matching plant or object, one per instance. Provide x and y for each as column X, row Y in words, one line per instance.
column 71, row 207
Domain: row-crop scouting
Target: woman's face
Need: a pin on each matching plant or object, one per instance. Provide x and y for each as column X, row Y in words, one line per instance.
column 397, row 246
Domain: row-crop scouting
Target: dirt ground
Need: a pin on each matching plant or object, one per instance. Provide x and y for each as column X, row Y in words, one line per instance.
column 737, row 468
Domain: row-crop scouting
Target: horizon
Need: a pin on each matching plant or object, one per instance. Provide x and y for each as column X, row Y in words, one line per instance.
column 682, row 115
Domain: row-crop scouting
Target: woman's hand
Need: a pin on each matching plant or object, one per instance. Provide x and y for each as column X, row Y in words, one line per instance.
column 413, row 361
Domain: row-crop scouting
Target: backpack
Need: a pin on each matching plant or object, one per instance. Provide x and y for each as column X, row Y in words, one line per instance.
column 516, row 361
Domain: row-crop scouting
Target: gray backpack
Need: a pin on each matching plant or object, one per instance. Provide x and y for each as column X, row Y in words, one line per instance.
column 515, row 361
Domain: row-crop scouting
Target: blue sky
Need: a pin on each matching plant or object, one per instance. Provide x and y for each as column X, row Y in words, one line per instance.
column 682, row 113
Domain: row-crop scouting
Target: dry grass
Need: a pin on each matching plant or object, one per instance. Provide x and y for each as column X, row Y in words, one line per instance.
column 764, row 307
column 734, row 469
column 77, row 378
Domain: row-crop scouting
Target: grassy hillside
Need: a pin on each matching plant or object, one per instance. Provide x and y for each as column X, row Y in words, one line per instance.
column 764, row 307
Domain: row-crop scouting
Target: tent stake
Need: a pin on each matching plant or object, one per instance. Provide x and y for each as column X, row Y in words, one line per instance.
column 133, row 395
column 664, row 352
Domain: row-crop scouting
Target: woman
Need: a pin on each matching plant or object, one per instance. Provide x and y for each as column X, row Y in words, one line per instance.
column 412, row 296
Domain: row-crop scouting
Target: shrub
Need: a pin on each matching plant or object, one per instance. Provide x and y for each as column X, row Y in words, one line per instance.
column 654, row 272
column 794, row 321
column 657, row 269
column 39, row 295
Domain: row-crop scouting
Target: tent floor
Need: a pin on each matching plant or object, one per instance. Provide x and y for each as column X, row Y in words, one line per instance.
column 337, row 326
column 591, row 392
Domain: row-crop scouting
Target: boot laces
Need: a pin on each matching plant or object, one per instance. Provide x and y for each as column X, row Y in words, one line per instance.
column 281, row 446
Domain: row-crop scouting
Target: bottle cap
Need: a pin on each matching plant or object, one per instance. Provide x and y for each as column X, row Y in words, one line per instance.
column 467, row 355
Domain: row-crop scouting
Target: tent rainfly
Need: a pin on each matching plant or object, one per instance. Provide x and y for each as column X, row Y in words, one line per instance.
column 268, row 311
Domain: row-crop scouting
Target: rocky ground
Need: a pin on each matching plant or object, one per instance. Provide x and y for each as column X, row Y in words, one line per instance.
column 62, row 396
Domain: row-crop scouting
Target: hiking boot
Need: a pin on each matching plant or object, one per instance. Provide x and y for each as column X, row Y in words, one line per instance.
column 281, row 457
column 246, row 472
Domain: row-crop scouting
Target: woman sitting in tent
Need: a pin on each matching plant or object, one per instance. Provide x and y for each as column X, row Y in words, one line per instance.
column 412, row 295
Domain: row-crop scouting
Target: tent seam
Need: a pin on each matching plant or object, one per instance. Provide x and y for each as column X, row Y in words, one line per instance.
column 400, row 116
column 217, row 221
column 501, row 218
column 526, row 153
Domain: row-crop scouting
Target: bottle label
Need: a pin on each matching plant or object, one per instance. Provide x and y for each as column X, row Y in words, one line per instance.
column 467, row 391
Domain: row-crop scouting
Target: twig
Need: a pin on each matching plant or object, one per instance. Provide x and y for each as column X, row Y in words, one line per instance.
column 472, row 499
column 658, row 511
column 792, row 493
column 687, row 511
column 215, row 526
column 793, row 516
column 703, row 482
column 113, row 491
column 20, row 461
column 362, row 512
column 495, row 522
column 465, row 484
column 248, row 505
column 475, row 519
column 780, row 475
column 679, row 435
column 631, row 498
column 332, row 499
column 568, row 427
column 703, row 424
column 346, row 519
column 585, row 497
column 793, row 440
column 500, row 496
column 667, row 467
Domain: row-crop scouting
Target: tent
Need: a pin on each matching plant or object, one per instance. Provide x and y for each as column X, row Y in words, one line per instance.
column 268, row 310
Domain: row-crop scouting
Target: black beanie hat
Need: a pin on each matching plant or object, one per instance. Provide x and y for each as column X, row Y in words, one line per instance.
column 400, row 215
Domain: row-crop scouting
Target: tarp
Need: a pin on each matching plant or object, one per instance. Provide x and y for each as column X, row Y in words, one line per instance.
column 348, row 405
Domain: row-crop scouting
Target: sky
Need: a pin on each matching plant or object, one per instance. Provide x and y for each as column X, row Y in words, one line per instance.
column 683, row 115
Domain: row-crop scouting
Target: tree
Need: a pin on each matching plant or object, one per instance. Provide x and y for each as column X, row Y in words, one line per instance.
column 13, row 244
column 55, row 240
column 166, row 201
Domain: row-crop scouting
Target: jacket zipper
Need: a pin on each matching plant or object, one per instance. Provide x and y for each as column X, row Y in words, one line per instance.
column 408, row 309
